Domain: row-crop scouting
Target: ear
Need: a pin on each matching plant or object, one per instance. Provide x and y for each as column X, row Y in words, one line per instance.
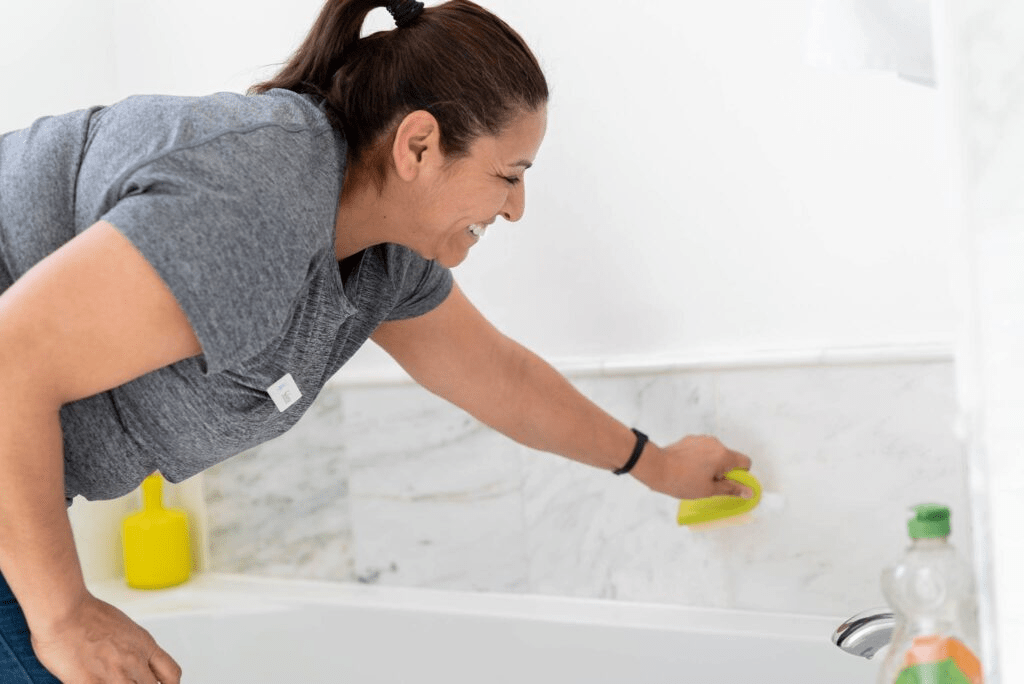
column 417, row 144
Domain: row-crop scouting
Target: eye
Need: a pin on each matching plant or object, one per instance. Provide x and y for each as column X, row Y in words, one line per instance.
column 512, row 180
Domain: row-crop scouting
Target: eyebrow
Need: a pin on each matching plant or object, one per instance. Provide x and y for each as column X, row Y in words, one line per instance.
column 522, row 162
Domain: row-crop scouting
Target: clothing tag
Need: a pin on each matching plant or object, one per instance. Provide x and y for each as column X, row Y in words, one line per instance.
column 284, row 392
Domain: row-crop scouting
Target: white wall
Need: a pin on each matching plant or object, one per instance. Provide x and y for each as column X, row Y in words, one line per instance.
column 980, row 49
column 700, row 191
column 55, row 56
column 193, row 47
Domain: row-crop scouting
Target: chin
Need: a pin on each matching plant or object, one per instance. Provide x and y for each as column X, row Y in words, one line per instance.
column 451, row 260
column 448, row 260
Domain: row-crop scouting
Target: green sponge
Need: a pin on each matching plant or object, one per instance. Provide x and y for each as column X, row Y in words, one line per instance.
column 694, row 511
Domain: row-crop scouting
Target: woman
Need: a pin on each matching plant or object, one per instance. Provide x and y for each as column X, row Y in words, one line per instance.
column 180, row 277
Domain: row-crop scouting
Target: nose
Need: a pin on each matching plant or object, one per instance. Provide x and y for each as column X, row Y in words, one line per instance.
column 515, row 203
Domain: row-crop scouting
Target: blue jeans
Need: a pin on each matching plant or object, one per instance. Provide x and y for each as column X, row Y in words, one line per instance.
column 18, row 662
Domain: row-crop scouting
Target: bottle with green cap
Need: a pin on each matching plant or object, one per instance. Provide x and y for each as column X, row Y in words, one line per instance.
column 931, row 593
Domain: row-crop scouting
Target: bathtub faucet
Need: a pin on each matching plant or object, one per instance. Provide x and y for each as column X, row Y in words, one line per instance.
column 865, row 633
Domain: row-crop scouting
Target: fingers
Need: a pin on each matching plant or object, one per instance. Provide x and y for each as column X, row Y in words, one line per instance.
column 100, row 643
column 693, row 468
column 727, row 487
column 167, row 671
column 159, row 669
column 721, row 460
column 140, row 677
column 738, row 460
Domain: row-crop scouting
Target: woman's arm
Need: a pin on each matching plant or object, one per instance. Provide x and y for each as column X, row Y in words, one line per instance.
column 91, row 316
column 456, row 353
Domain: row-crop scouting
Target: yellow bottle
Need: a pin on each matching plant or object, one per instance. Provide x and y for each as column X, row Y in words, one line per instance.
column 157, row 553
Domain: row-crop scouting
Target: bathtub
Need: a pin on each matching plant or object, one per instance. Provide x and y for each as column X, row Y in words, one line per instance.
column 224, row 629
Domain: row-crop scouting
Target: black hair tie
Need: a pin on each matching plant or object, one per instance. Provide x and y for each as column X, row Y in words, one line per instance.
column 404, row 11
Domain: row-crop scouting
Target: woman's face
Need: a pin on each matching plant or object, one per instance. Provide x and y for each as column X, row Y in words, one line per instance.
column 474, row 190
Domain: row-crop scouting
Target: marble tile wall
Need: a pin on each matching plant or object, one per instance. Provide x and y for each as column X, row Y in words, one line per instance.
column 390, row 485
column 283, row 510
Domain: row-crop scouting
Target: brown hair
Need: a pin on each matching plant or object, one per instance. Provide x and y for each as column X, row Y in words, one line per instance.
column 456, row 60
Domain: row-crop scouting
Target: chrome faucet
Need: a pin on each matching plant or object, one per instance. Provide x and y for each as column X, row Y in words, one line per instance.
column 865, row 633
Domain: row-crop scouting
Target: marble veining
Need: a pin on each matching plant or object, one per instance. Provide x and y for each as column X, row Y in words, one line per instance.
column 281, row 509
column 391, row 485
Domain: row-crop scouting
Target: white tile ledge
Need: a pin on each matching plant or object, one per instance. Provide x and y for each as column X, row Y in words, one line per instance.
column 580, row 367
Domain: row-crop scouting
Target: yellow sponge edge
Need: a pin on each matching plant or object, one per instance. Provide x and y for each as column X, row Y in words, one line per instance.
column 694, row 511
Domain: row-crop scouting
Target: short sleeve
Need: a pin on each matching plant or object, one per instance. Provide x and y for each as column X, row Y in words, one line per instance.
column 235, row 227
column 420, row 285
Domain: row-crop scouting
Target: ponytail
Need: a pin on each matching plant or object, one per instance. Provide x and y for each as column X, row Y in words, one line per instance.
column 456, row 60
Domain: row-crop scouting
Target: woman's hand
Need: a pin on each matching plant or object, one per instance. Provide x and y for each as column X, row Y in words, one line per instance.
column 692, row 468
column 99, row 643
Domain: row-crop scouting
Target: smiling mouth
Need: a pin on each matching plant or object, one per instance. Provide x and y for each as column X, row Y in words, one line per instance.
column 478, row 229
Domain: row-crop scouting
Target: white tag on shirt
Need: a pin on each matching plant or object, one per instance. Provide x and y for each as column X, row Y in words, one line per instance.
column 284, row 392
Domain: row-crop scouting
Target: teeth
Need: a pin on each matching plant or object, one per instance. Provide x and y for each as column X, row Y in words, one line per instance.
column 478, row 230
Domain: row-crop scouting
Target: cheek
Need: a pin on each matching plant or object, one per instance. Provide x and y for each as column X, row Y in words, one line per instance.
column 473, row 206
column 495, row 199
column 477, row 200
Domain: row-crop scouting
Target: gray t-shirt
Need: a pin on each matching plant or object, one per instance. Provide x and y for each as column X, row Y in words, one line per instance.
column 232, row 199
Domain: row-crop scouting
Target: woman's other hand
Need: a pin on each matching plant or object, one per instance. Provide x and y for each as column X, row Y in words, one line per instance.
column 92, row 315
column 96, row 642
column 692, row 468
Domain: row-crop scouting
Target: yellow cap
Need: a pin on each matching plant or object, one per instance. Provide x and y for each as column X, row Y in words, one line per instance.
column 157, row 553
column 692, row 511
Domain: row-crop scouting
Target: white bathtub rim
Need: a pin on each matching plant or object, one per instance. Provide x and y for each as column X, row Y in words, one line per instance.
column 218, row 593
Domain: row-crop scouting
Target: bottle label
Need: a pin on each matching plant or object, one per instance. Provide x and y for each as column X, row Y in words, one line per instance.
column 940, row 660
